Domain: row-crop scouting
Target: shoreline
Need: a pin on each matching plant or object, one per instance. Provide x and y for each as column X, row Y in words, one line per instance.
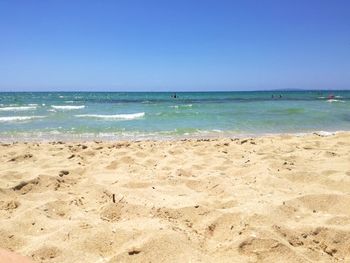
column 135, row 138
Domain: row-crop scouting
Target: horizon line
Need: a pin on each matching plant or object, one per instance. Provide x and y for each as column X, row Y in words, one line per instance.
column 169, row 91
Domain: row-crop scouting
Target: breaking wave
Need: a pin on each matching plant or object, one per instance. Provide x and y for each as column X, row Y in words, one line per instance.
column 68, row 107
column 19, row 118
column 131, row 116
column 18, row 108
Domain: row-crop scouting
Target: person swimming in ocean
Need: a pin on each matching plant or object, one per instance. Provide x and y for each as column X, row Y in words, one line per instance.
column 175, row 96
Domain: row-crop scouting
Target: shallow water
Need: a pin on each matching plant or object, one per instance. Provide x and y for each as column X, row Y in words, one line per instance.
column 132, row 115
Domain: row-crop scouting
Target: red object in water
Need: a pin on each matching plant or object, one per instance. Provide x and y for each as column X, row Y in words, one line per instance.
column 330, row 96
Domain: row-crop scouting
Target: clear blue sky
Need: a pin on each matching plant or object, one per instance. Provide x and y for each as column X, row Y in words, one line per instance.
column 174, row 45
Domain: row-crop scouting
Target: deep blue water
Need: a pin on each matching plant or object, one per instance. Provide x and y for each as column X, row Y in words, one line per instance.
column 119, row 115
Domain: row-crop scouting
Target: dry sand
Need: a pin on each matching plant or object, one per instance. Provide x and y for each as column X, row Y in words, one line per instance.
column 268, row 199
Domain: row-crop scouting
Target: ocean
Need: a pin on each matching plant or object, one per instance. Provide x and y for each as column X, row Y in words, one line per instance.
column 157, row 115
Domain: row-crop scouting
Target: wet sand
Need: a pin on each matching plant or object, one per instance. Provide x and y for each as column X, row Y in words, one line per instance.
column 279, row 198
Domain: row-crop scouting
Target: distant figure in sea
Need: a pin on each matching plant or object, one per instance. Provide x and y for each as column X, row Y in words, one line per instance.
column 174, row 96
column 272, row 97
column 280, row 96
column 331, row 97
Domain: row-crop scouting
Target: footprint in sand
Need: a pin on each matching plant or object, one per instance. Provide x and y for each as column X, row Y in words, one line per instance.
column 103, row 241
column 324, row 244
column 268, row 250
column 164, row 247
column 225, row 227
column 57, row 209
column 112, row 212
column 43, row 183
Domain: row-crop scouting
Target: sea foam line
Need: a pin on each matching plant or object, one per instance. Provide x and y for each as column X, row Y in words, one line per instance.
column 333, row 100
column 131, row 116
column 19, row 118
column 181, row 106
column 68, row 107
column 18, row 108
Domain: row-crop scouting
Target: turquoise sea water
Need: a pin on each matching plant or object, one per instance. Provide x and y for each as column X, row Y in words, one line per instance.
column 129, row 115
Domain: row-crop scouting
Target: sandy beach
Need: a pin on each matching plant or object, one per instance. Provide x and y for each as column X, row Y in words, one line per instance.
column 282, row 198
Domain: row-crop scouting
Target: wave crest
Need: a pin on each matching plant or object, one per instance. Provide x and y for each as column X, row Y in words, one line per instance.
column 130, row 116
column 18, row 108
column 68, row 107
column 19, row 118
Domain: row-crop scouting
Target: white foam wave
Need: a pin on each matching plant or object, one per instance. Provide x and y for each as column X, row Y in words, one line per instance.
column 181, row 106
column 333, row 100
column 18, row 108
column 68, row 107
column 324, row 133
column 131, row 116
column 19, row 118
